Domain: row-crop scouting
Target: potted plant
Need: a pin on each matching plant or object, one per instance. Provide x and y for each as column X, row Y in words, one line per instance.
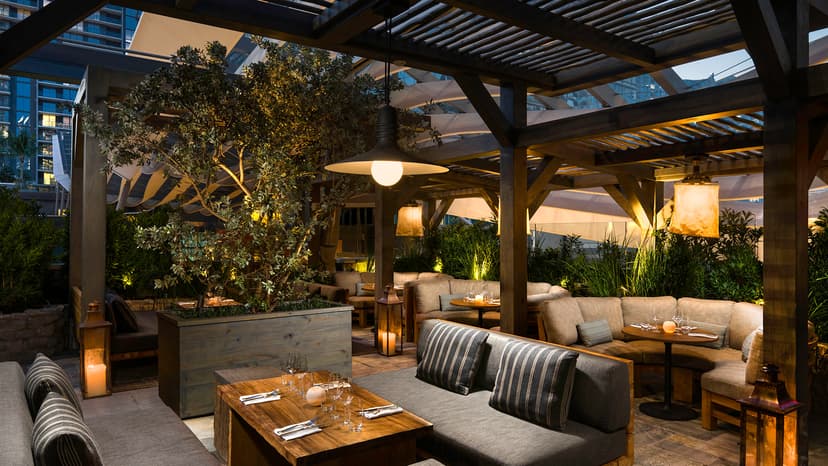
column 247, row 152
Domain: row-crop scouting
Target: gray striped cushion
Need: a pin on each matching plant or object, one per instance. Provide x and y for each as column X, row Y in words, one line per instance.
column 594, row 332
column 534, row 382
column 451, row 357
column 45, row 376
column 60, row 437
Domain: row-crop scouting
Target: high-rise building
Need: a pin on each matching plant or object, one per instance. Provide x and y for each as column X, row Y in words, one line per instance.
column 42, row 108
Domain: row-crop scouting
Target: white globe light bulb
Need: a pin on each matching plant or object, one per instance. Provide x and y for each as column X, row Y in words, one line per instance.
column 385, row 172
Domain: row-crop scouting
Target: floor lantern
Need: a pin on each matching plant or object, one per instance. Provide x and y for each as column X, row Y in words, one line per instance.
column 389, row 317
column 95, row 367
column 769, row 418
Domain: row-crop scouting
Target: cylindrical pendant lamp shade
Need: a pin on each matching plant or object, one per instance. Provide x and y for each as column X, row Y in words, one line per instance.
column 386, row 163
column 695, row 209
column 410, row 220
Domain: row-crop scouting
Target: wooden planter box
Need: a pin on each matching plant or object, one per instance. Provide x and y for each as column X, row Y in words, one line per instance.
column 190, row 350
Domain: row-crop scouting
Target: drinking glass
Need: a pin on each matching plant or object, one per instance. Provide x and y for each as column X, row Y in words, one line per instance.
column 357, row 423
column 678, row 319
column 336, row 394
column 301, row 371
column 347, row 399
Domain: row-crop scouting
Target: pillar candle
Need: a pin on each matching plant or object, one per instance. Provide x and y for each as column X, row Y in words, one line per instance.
column 389, row 339
column 96, row 379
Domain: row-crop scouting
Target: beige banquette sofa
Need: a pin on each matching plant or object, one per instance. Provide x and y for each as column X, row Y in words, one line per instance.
column 423, row 300
column 720, row 374
column 363, row 301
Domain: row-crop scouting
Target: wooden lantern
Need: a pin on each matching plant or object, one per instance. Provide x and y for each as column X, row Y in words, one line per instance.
column 95, row 370
column 769, row 423
column 388, row 311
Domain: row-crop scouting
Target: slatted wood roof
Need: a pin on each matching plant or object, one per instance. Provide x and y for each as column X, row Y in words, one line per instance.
column 552, row 46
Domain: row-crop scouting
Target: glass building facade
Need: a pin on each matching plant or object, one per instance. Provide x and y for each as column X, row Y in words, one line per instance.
column 33, row 111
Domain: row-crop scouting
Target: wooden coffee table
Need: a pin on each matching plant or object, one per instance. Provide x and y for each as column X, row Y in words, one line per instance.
column 667, row 410
column 390, row 440
column 479, row 306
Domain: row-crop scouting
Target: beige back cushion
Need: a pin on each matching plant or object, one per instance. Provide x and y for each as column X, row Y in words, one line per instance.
column 537, row 288
column 475, row 286
column 427, row 294
column 746, row 317
column 427, row 275
column 639, row 309
column 753, row 370
column 603, row 308
column 347, row 280
column 401, row 278
column 713, row 311
column 560, row 319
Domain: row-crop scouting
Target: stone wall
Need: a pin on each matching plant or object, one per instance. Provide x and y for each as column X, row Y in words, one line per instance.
column 24, row 334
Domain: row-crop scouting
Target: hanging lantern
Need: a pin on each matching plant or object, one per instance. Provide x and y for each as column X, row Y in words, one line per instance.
column 695, row 206
column 386, row 163
column 388, row 312
column 410, row 220
column 94, row 353
column 769, row 423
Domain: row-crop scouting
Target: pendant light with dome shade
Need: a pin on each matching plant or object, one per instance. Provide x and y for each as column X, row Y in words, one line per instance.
column 386, row 163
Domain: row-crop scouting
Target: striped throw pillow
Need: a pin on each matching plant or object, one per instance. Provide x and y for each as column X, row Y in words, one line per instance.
column 594, row 332
column 451, row 357
column 45, row 376
column 534, row 382
column 60, row 437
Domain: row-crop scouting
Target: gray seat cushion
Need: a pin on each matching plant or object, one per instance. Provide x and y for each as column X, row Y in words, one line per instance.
column 136, row 428
column 617, row 348
column 468, row 431
column 145, row 339
column 16, row 425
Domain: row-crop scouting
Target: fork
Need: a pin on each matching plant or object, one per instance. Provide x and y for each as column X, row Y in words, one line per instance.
column 259, row 395
column 296, row 427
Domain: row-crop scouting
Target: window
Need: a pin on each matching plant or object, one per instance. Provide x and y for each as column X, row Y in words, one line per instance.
column 48, row 120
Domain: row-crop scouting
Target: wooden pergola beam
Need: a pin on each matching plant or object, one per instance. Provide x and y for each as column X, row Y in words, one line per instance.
column 766, row 44
column 715, row 102
column 711, row 168
column 42, row 26
column 345, row 19
column 742, row 141
column 540, row 177
column 486, row 108
column 559, row 27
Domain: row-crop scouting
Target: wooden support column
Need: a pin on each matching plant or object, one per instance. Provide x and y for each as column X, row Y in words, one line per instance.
column 88, row 225
column 776, row 34
column 786, row 251
column 513, row 192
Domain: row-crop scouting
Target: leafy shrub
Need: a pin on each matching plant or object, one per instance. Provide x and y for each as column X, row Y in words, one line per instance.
column 818, row 274
column 470, row 251
column 27, row 243
column 551, row 265
column 132, row 271
column 603, row 275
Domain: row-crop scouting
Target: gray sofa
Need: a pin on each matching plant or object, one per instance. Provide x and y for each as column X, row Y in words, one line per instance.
column 130, row 428
column 468, row 431
column 718, row 375
column 422, row 300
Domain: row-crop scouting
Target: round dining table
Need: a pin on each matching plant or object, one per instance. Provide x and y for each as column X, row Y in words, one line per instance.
column 666, row 409
column 480, row 305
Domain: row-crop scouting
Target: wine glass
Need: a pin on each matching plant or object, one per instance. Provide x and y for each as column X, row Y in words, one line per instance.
column 301, row 367
column 678, row 319
column 335, row 393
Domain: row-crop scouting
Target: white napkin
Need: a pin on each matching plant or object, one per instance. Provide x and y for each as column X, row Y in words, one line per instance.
column 697, row 334
column 312, row 429
column 264, row 399
column 382, row 412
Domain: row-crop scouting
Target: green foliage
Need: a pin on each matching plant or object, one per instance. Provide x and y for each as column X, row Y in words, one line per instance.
column 264, row 137
column 16, row 148
column 603, row 275
column 676, row 265
column 27, row 242
column 818, row 274
column 551, row 265
column 470, row 251
column 416, row 255
column 131, row 271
